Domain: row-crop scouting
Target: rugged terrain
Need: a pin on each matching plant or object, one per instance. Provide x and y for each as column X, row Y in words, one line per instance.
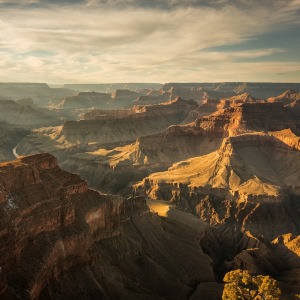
column 60, row 240
column 248, row 189
column 106, row 129
column 221, row 171
column 26, row 114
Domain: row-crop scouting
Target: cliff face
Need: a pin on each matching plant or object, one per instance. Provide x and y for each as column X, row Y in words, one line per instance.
column 209, row 106
column 250, row 167
column 249, row 192
column 152, row 153
column 124, row 98
column 60, row 240
column 105, row 129
column 251, row 117
column 205, row 135
column 146, row 120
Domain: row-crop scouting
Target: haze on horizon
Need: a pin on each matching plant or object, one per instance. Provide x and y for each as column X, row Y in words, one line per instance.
column 96, row 41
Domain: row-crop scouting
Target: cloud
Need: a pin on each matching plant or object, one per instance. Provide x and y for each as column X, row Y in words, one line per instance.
column 99, row 40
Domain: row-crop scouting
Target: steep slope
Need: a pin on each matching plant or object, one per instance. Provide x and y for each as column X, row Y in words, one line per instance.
column 249, row 192
column 60, row 240
column 108, row 130
column 124, row 98
column 246, row 167
column 26, row 114
column 152, row 153
column 209, row 106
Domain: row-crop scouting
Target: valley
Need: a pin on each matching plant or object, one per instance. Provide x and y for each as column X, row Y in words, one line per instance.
column 150, row 193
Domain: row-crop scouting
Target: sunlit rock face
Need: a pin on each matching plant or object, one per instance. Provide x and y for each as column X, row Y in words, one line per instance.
column 106, row 129
column 247, row 189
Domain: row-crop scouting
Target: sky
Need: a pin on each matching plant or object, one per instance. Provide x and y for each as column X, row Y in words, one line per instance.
column 101, row 41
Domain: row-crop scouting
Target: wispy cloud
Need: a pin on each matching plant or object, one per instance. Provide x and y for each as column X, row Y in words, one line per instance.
column 114, row 40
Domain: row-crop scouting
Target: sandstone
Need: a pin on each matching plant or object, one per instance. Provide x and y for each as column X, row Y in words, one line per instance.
column 60, row 240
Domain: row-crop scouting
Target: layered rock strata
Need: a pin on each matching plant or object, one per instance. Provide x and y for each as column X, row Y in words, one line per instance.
column 60, row 240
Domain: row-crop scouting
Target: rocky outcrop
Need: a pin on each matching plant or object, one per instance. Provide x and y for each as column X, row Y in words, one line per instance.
column 60, row 240
column 287, row 97
column 249, row 167
column 123, row 98
column 251, row 117
column 209, row 106
column 152, row 153
column 249, row 192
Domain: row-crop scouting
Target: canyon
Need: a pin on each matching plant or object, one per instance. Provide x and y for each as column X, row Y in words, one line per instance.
column 148, row 191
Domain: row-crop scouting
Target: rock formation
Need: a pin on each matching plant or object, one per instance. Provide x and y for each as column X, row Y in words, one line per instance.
column 154, row 97
column 152, row 153
column 60, row 240
column 248, row 189
column 124, row 98
column 209, row 106
column 287, row 97
column 86, row 100
column 108, row 130
column 223, row 177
